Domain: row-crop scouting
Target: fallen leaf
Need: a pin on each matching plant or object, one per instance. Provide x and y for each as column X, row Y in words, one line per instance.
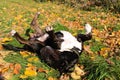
column 4, row 69
column 23, row 76
column 6, row 39
column 1, row 47
column 42, row 70
column 104, row 52
column 17, row 69
column 87, row 48
column 51, row 78
column 24, row 53
column 11, row 66
column 18, row 17
column 33, row 59
column 75, row 77
column 30, row 70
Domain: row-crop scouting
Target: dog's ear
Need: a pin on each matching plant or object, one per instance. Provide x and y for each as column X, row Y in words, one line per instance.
column 87, row 35
column 88, row 28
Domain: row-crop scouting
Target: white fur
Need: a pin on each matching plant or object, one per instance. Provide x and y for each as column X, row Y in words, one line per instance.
column 13, row 32
column 69, row 42
column 43, row 38
column 88, row 28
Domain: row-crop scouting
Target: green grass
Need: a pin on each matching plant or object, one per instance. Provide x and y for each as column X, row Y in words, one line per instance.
column 99, row 69
column 61, row 18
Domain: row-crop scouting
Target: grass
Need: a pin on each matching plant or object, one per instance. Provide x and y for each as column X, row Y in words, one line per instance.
column 17, row 14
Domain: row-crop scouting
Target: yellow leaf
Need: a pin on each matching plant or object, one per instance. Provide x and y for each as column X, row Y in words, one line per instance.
column 6, row 39
column 51, row 78
column 24, row 53
column 29, row 65
column 98, row 39
column 18, row 17
column 23, row 76
column 33, row 59
column 104, row 52
column 29, row 72
column 75, row 77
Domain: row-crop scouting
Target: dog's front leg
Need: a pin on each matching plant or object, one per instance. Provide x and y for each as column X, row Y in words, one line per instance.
column 19, row 38
column 52, row 40
column 51, row 33
column 87, row 35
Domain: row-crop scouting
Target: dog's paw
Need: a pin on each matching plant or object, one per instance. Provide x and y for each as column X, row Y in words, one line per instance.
column 49, row 29
column 13, row 32
column 38, row 13
column 88, row 28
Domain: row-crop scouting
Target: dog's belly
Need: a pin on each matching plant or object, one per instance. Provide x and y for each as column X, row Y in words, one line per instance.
column 69, row 42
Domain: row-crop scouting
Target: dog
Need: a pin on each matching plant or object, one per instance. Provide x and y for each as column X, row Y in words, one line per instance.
column 59, row 50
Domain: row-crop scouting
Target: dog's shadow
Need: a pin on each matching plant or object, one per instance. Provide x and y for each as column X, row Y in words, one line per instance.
column 11, row 47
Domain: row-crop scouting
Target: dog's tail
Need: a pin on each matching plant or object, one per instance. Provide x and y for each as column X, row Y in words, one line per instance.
column 11, row 47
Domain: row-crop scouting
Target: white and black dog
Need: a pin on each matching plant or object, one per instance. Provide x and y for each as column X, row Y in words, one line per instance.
column 59, row 50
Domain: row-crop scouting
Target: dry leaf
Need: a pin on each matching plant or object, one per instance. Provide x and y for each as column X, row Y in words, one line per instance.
column 87, row 48
column 104, row 52
column 4, row 70
column 23, row 76
column 1, row 47
column 42, row 70
column 51, row 78
column 11, row 66
column 24, row 53
column 6, row 39
column 18, row 17
column 17, row 69
column 33, row 59
column 30, row 70
column 74, row 76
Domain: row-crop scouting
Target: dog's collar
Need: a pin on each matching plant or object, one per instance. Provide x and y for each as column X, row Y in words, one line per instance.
column 76, row 50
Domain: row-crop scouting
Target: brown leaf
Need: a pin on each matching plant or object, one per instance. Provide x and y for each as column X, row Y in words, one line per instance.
column 4, row 70
column 42, row 70
column 87, row 48
column 17, row 69
column 1, row 47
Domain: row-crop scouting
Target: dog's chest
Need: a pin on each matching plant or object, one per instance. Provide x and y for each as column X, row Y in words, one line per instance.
column 69, row 42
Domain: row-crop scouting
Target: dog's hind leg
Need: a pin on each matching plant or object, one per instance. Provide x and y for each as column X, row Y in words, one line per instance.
column 87, row 35
column 34, row 24
column 49, row 56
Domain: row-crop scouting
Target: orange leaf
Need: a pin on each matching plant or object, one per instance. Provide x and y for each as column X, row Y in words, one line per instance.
column 51, row 78
column 42, row 70
column 4, row 70
column 1, row 47
column 87, row 48
column 17, row 69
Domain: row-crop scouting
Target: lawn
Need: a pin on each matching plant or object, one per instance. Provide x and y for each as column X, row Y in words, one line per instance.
column 101, row 55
